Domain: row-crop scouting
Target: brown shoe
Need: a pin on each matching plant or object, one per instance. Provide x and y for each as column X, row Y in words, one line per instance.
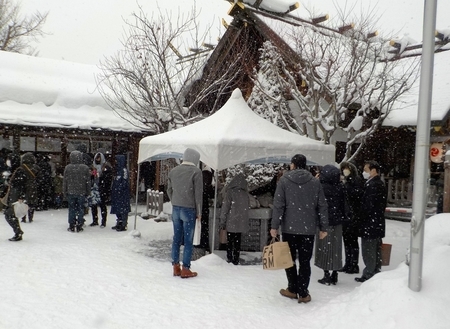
column 288, row 294
column 176, row 270
column 306, row 299
column 187, row 273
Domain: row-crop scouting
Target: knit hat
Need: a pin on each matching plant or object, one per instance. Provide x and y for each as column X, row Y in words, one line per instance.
column 191, row 155
column 299, row 160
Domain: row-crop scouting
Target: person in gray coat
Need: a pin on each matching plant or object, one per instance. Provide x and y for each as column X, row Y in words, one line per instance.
column 234, row 216
column 185, row 191
column 299, row 206
column 76, row 187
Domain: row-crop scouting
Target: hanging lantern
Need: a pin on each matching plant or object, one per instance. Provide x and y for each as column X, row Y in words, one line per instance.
column 436, row 153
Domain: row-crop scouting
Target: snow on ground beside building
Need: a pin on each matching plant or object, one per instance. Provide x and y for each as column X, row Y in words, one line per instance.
column 101, row 278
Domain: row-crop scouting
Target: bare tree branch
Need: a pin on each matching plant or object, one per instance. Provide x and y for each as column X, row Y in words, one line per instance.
column 16, row 32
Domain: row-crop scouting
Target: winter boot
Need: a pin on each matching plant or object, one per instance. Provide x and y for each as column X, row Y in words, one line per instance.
column 334, row 277
column 118, row 224
column 17, row 236
column 103, row 225
column 121, row 228
column 354, row 269
column 71, row 228
column 326, row 280
column 80, row 228
column 94, row 223
column 187, row 273
column 176, row 270
column 287, row 293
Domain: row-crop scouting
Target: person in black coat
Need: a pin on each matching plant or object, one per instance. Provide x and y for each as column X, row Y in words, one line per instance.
column 120, row 194
column 328, row 255
column 208, row 193
column 44, row 183
column 31, row 170
column 104, row 177
column 21, row 188
column 373, row 224
column 353, row 189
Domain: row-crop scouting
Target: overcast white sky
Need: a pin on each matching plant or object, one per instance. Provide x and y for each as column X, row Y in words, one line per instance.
column 85, row 30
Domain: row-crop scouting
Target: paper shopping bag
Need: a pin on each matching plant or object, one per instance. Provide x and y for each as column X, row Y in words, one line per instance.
column 197, row 232
column 277, row 256
column 223, row 236
column 386, row 254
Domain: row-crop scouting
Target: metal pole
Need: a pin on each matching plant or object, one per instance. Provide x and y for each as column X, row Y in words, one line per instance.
column 422, row 147
column 137, row 195
column 216, row 175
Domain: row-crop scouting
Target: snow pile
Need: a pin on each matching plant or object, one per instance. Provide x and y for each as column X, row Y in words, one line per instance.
column 101, row 278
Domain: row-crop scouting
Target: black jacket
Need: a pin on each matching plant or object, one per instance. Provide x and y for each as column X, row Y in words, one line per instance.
column 373, row 224
column 354, row 191
column 334, row 194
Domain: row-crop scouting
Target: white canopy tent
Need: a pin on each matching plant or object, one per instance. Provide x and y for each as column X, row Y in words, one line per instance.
column 233, row 135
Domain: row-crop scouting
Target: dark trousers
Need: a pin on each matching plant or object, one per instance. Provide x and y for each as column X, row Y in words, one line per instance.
column 204, row 234
column 301, row 246
column 233, row 247
column 12, row 220
column 371, row 253
column 103, row 212
column 30, row 214
column 350, row 237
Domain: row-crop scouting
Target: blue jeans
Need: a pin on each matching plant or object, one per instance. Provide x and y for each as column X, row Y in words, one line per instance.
column 76, row 209
column 183, row 226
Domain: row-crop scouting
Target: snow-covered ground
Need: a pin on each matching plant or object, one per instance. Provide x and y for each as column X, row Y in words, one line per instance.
column 101, row 278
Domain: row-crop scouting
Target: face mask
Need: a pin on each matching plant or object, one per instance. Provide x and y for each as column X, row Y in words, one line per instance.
column 366, row 175
column 8, row 163
column 346, row 172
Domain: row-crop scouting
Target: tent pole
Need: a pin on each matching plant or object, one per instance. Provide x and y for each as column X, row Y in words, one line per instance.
column 137, row 194
column 216, row 175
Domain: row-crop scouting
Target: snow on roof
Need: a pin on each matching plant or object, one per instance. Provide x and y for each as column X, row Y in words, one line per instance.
column 51, row 93
column 405, row 114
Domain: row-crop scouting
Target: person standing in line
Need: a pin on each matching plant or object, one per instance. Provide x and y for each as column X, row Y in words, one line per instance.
column 44, row 182
column 58, row 184
column 234, row 216
column 328, row 252
column 373, row 223
column 104, row 181
column 353, row 189
column 31, row 170
column 300, row 208
column 185, row 191
column 208, row 193
column 76, row 187
column 120, row 194
column 21, row 186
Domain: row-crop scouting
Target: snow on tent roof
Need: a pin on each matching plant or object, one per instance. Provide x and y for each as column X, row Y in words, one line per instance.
column 233, row 135
column 51, row 93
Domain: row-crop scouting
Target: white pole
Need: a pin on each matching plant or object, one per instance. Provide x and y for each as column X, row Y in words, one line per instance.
column 214, row 216
column 422, row 147
column 137, row 195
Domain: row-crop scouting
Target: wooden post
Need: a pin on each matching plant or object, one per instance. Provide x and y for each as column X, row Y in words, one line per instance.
column 446, row 207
